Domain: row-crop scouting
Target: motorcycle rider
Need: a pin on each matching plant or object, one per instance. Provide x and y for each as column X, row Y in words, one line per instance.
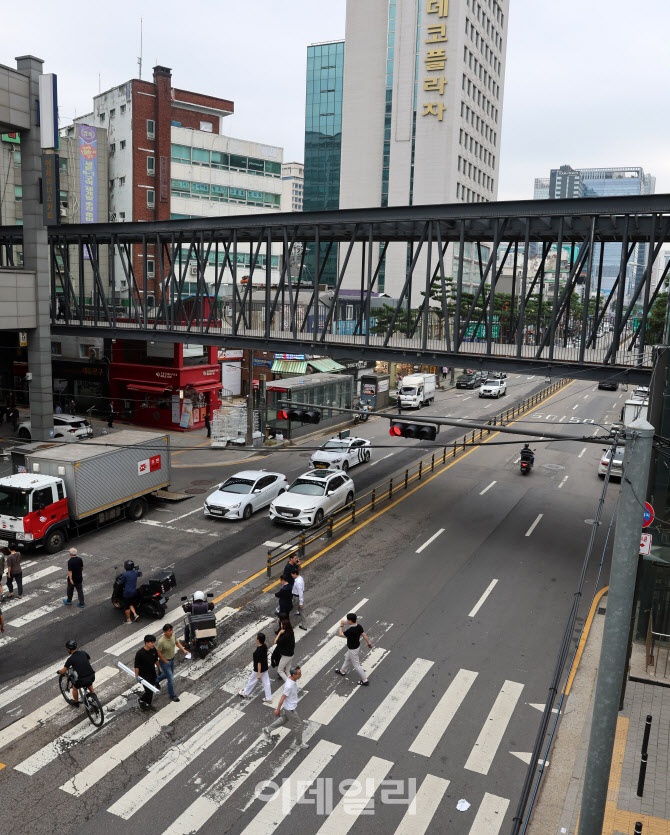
column 527, row 454
column 129, row 579
column 198, row 606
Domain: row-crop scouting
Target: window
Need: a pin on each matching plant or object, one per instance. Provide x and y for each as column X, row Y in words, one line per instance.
column 112, row 113
column 85, row 349
column 181, row 153
column 254, row 196
column 102, row 117
column 349, row 312
column 122, row 144
column 42, row 498
column 200, row 156
column 151, row 268
column 207, row 126
column 122, row 181
column 60, row 490
column 151, row 129
column 200, row 189
column 273, row 169
column 182, row 188
column 18, row 193
column 151, row 166
column 122, row 216
column 112, row 147
column 63, row 199
column 122, row 108
column 256, row 166
column 219, row 193
column 219, row 160
column 237, row 193
column 175, row 124
column 17, row 159
column 111, row 183
column 56, row 349
column 62, row 164
column 151, row 198
column 238, row 162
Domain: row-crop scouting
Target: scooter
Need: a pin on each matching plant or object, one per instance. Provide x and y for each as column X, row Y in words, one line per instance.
column 201, row 628
column 526, row 464
column 151, row 599
column 362, row 416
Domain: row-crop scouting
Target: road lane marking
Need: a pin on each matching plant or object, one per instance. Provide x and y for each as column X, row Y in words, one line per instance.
column 563, row 482
column 439, row 720
column 482, row 599
column 334, row 702
column 132, row 640
column 490, row 815
column 353, row 801
column 575, row 406
column 581, row 453
column 532, row 527
column 128, row 746
column 384, row 457
column 563, row 418
column 173, row 762
column 488, row 488
column 275, row 810
column 395, row 699
column 36, row 613
column 47, row 711
column 43, row 573
column 420, row 811
column 9, row 696
column 428, row 541
column 492, row 732
column 198, row 668
column 190, row 513
column 585, row 396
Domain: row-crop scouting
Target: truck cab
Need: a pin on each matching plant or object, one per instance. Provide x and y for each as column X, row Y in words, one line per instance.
column 31, row 507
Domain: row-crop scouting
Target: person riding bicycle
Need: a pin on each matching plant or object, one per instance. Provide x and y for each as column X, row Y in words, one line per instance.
column 198, row 606
column 79, row 662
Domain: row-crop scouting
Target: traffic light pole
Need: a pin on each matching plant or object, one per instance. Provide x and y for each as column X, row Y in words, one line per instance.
column 625, row 552
column 250, row 400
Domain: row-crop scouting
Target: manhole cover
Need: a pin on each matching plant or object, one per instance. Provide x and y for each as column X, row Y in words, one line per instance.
column 195, row 490
column 546, row 467
column 203, row 481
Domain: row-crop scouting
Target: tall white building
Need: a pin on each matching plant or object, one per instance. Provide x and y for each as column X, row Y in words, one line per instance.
column 292, row 186
column 421, row 106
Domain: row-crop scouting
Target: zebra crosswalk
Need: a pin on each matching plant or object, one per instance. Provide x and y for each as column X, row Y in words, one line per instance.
column 212, row 731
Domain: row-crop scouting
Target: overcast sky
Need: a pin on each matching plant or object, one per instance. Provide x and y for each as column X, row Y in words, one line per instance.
column 586, row 80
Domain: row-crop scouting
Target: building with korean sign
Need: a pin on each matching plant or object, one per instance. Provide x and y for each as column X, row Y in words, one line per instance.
column 422, row 98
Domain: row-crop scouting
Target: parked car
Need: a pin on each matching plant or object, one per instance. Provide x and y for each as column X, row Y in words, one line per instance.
column 244, row 493
column 493, row 388
column 341, row 453
column 312, row 496
column 471, row 379
column 67, row 429
column 617, row 464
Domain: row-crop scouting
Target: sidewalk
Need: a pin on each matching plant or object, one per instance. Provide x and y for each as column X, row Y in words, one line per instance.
column 557, row 809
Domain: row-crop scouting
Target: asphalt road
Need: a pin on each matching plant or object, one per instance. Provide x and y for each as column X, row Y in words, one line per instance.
column 466, row 582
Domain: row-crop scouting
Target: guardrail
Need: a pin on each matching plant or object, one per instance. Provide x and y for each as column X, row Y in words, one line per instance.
column 400, row 481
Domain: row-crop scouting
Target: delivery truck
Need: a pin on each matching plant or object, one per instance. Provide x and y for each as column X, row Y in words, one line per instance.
column 417, row 390
column 58, row 491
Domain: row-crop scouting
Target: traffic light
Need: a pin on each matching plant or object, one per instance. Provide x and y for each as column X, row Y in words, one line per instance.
column 406, row 429
column 303, row 415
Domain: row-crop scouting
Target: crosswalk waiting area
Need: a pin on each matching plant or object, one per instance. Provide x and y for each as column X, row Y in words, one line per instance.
column 207, row 757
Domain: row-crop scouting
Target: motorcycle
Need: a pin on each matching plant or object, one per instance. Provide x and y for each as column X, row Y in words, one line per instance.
column 201, row 628
column 151, row 599
column 526, row 463
column 362, row 416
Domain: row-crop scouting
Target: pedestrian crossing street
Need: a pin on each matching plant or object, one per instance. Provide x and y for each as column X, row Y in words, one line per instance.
column 231, row 756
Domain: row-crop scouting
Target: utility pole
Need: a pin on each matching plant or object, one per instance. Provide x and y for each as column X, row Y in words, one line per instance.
column 250, row 399
column 625, row 553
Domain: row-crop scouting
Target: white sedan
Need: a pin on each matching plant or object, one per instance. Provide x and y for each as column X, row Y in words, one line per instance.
column 312, row 496
column 341, row 453
column 493, row 388
column 243, row 493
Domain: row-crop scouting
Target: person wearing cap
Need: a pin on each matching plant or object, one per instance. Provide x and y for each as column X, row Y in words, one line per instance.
column 146, row 667
column 75, row 579
column 287, row 710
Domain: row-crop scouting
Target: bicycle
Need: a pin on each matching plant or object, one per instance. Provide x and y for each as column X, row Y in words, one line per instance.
column 66, row 682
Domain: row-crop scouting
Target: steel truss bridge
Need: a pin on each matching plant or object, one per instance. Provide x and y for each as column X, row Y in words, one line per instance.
column 241, row 305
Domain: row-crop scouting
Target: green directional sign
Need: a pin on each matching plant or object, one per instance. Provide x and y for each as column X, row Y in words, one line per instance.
column 481, row 331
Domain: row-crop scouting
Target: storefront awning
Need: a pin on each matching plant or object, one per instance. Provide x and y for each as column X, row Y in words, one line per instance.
column 206, row 386
column 326, row 364
column 294, row 367
column 145, row 387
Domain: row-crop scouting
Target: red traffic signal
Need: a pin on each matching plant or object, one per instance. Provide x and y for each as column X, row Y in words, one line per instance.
column 282, row 414
column 303, row 415
column 420, row 431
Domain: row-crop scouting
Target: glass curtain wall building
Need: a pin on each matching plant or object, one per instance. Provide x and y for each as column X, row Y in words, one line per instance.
column 323, row 137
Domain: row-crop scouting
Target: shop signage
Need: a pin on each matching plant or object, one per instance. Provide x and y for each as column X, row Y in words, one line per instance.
column 263, row 363
column 383, row 385
column 50, row 190
column 435, row 58
column 210, row 372
column 230, row 354
column 645, row 544
column 11, row 137
column 165, row 375
column 289, row 357
column 186, row 414
column 176, row 408
column 88, row 173
column 23, row 339
column 149, row 465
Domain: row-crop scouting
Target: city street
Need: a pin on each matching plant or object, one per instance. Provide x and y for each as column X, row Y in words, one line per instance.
column 463, row 585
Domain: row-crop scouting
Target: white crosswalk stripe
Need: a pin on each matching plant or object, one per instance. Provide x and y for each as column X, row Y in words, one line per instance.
column 334, row 702
column 34, row 614
column 424, row 805
column 37, row 717
column 21, row 690
column 346, row 813
column 395, row 700
column 43, row 572
column 491, row 734
column 490, row 815
column 277, row 809
column 127, row 747
column 172, row 763
column 239, row 639
column 445, row 710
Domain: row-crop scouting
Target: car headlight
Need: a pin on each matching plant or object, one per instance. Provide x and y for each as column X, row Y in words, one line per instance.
column 235, row 506
column 309, row 510
column 26, row 536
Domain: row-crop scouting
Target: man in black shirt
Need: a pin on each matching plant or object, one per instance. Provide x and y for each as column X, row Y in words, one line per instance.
column 146, row 667
column 80, row 662
column 75, row 579
column 287, row 573
column 285, row 597
column 353, row 634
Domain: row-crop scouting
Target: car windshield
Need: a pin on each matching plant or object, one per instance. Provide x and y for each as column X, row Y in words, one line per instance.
column 78, row 424
column 304, row 487
column 492, row 382
column 411, row 390
column 14, row 502
column 237, row 485
column 335, row 445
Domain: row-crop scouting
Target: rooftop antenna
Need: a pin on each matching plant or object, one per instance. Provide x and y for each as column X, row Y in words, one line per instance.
column 139, row 60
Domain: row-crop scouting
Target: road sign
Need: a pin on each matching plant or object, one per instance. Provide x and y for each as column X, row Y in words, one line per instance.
column 648, row 515
column 481, row 331
column 645, row 544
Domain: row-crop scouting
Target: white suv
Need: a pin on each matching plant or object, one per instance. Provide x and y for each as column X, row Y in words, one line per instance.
column 312, row 496
column 341, row 453
column 493, row 388
column 67, row 429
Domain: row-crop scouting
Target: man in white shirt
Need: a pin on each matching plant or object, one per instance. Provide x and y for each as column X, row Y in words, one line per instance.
column 287, row 710
column 298, row 592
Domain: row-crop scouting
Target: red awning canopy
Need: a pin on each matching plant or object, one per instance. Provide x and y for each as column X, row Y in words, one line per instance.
column 146, row 388
column 204, row 386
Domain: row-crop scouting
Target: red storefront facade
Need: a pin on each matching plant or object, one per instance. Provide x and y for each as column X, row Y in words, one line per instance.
column 174, row 393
